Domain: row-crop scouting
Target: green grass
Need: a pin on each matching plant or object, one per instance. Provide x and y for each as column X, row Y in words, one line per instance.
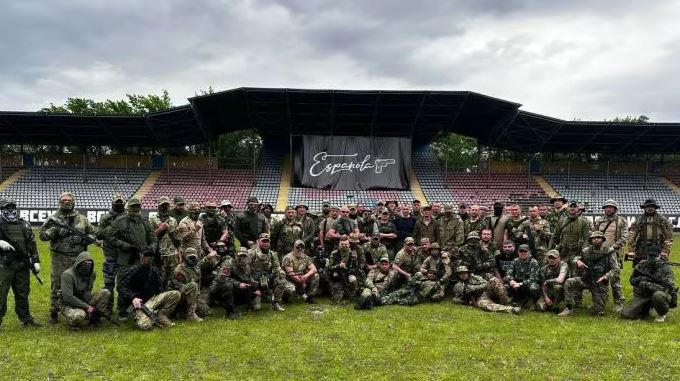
column 434, row 341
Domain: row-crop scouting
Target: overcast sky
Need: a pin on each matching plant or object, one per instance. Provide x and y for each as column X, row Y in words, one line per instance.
column 578, row 59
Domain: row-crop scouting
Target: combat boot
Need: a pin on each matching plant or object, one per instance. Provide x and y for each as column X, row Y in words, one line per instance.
column 191, row 313
column 256, row 304
column 516, row 310
column 618, row 307
column 164, row 322
column 277, row 307
column 32, row 323
column 660, row 319
column 566, row 312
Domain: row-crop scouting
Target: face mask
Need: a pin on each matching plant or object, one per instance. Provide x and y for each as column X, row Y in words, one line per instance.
column 194, row 215
column 164, row 209
column 191, row 261
column 10, row 215
column 497, row 211
column 211, row 212
column 221, row 250
column 134, row 212
column 85, row 268
column 118, row 207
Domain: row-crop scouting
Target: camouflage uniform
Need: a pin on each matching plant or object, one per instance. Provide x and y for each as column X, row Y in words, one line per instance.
column 167, row 251
column 451, row 233
column 77, row 297
column 512, row 229
column 548, row 280
column 284, row 234
column 267, row 272
column 223, row 286
column 378, row 284
column 615, row 230
column 440, row 265
column 648, row 232
column 540, row 232
column 570, row 237
column 410, row 263
column 474, row 258
column 110, row 266
column 477, row 225
column 653, row 288
column 190, row 233
column 346, row 280
column 64, row 247
column 299, row 265
column 601, row 262
column 419, row 289
column 308, row 230
column 554, row 216
column 524, row 272
column 373, row 253
column 432, row 230
column 187, row 280
column 484, row 295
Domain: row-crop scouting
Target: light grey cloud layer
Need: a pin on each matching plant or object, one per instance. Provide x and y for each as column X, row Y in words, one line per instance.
column 573, row 60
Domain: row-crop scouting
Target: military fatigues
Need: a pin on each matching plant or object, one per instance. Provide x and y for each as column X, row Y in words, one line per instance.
column 554, row 216
column 569, row 238
column 601, row 262
column 308, row 230
column 14, row 267
column 223, row 286
column 485, row 294
column 64, row 247
column 144, row 282
column 451, row 233
column 409, row 263
column 299, row 266
column 166, row 246
column 539, row 231
column 213, row 227
column 192, row 234
column 524, row 272
column 512, row 228
column 418, row 290
column 547, row 279
column 650, row 231
column 615, row 230
column 378, row 285
column 346, row 282
column 249, row 226
column 284, row 234
column 187, row 281
column 110, row 266
column 653, row 288
column 76, row 294
column 372, row 254
column 477, row 225
column 441, row 267
column 266, row 271
column 479, row 262
column 431, row 230
column 325, row 225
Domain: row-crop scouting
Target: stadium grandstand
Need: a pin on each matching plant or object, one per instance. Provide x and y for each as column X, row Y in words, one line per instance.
column 284, row 118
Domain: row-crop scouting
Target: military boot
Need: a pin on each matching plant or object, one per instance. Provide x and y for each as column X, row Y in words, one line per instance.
column 256, row 304
column 277, row 307
column 191, row 313
column 164, row 322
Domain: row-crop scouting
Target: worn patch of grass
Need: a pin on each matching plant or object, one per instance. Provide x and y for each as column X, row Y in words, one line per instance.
column 434, row 341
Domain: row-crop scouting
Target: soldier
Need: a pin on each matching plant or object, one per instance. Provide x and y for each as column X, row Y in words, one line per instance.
column 559, row 211
column 373, row 251
column 474, row 258
column 474, row 290
column 543, row 211
column 513, row 223
column 325, row 226
column 226, row 209
column 570, row 235
column 476, row 221
column 191, row 233
column 165, row 228
column 416, row 209
column 407, row 262
column 65, row 245
column 267, row 211
column 267, row 272
column 522, row 277
column 462, row 212
column 250, row 224
column 187, row 280
column 504, row 259
column 130, row 235
column 301, row 275
column 551, row 277
column 598, row 263
column 497, row 223
column 103, row 231
column 139, row 287
column 379, row 283
column 367, row 224
column 223, row 287
column 488, row 244
column 651, row 230
column 421, row 288
column 423, row 250
column 440, row 263
column 346, row 274
column 427, row 226
column 214, row 226
column 388, row 232
column 179, row 211
column 242, row 272
column 451, row 230
column 614, row 228
column 79, row 305
column 653, row 288
column 286, row 232
column 308, row 225
column 404, row 224
column 17, row 245
column 535, row 232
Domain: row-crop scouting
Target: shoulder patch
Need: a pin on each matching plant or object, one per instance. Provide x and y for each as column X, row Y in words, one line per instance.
column 180, row 276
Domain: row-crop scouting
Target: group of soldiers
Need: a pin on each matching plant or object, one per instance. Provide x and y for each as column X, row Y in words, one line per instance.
column 187, row 257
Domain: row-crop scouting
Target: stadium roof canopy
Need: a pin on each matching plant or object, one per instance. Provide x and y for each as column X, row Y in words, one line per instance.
column 277, row 113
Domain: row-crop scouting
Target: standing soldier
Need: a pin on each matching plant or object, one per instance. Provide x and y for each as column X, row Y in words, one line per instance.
column 214, row 226
column 428, row 227
column 653, row 288
column 165, row 229
column 476, row 221
column 191, row 233
column 250, row 224
column 598, row 263
column 187, row 280
column 79, row 305
column 110, row 253
column 179, row 211
column 325, row 225
column 559, row 210
column 286, row 232
column 570, row 235
column 513, row 223
column 379, row 283
column 614, row 228
column 226, row 212
column 308, row 225
column 65, row 244
column 451, row 231
column 388, row 232
column 650, row 231
column 266, row 270
column 535, row 232
column 17, row 245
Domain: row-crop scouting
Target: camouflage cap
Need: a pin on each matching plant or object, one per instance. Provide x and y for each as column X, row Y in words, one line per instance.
column 225, row 203
column 558, row 198
column 163, row 200
column 353, row 238
column 434, row 246
column 299, row 242
column 325, row 203
column 118, row 197
column 190, row 251
column 301, row 205
column 462, row 269
column 5, row 202
column 649, row 202
column 427, row 207
column 574, row 202
column 194, row 206
column 264, row 236
column 179, row 200
column 553, row 253
column 610, row 202
column 242, row 251
column 472, row 235
column 253, row 199
column 134, row 201
column 212, row 203
column 409, row 240
column 596, row 234
column 448, row 207
column 385, row 258
column 523, row 247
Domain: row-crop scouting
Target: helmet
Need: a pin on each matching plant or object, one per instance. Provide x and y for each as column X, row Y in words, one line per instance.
column 610, row 202
column 596, row 234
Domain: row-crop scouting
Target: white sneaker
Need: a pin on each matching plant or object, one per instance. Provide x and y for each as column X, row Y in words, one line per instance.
column 660, row 319
column 566, row 312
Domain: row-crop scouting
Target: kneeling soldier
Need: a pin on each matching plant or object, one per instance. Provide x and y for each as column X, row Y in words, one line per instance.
column 79, row 305
column 187, row 279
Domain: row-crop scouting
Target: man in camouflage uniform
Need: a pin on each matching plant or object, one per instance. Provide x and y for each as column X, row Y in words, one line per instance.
column 346, row 274
column 474, row 290
column 474, row 258
column 651, row 231
column 267, row 272
column 301, row 275
column 103, row 231
column 440, row 263
column 214, row 226
column 250, row 224
column 407, row 262
column 388, row 232
column 451, row 231
column 488, row 244
column 420, row 288
column 223, row 287
column 570, row 236
column 165, row 228
column 226, row 212
column 551, row 278
column 558, row 212
column 191, row 233
column 428, row 227
column 64, row 244
column 522, row 278
column 476, row 221
column 286, row 232
column 653, row 288
column 307, row 223
column 325, row 225
column 187, row 280
column 79, row 305
column 615, row 230
column 17, row 244
column 423, row 250
column 513, row 223
column 179, row 211
column 373, row 251
column 140, row 286
column 598, row 263
column 535, row 232
column 131, row 234
column 379, row 282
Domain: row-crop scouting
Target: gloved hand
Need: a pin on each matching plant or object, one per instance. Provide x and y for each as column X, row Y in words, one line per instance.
column 6, row 246
column 36, row 266
column 63, row 232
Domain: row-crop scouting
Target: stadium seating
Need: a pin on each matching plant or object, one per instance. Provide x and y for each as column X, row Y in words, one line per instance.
column 484, row 189
column 430, row 177
column 40, row 187
column 268, row 178
column 627, row 189
column 6, row 172
column 200, row 185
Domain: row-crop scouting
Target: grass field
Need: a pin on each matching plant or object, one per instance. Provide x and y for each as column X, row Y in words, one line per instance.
column 434, row 341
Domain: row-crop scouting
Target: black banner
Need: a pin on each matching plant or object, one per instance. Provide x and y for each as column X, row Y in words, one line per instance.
column 352, row 162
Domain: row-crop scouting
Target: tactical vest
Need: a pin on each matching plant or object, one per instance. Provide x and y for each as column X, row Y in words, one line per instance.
column 344, row 226
column 655, row 224
column 212, row 229
column 597, row 262
column 17, row 237
column 262, row 263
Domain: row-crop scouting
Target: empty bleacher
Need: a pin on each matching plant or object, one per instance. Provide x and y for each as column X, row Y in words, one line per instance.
column 40, row 187
column 430, row 177
column 484, row 189
column 268, row 178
